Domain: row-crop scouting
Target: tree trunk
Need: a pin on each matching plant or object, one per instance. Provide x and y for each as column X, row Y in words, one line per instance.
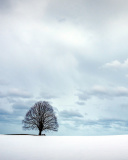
column 40, row 132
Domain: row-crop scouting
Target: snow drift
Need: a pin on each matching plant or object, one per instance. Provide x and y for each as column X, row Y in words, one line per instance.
column 15, row 147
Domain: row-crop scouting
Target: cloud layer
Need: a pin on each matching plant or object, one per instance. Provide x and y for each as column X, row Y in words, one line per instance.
column 71, row 53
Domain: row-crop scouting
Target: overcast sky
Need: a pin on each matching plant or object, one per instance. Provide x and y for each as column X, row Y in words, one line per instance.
column 73, row 54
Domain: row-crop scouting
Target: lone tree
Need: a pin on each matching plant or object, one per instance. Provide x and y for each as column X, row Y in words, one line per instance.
column 41, row 117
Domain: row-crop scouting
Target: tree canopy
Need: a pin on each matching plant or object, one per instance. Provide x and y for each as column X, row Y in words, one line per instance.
column 41, row 117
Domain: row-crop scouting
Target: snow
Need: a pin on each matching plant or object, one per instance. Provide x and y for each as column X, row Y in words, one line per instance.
column 26, row 147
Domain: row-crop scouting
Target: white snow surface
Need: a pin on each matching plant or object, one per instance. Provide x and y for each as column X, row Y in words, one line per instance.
column 25, row 147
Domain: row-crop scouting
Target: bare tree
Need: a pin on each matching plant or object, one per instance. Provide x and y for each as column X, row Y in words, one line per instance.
column 41, row 117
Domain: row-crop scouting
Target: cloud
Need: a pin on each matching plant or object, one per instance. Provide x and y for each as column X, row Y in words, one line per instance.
column 80, row 103
column 15, row 115
column 99, row 91
column 117, row 64
column 20, row 106
column 2, row 95
column 4, row 5
column 18, row 93
column 70, row 114
column 84, row 95
column 4, row 112
column 3, row 82
column 46, row 95
column 104, row 92
column 107, row 123
column 121, row 92
column 15, row 93
column 7, row 116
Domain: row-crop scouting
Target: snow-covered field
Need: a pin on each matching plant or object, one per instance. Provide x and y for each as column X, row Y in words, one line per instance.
column 27, row 147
